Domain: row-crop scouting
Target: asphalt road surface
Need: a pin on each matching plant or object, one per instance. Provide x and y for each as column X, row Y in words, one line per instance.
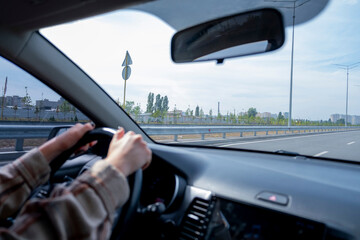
column 338, row 145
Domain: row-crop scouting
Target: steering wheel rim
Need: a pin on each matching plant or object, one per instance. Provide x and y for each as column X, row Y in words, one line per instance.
column 125, row 213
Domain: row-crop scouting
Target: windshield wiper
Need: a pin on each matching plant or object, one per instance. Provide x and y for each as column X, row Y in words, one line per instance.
column 289, row 153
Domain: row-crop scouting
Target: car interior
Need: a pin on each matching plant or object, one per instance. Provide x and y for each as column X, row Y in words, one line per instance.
column 189, row 191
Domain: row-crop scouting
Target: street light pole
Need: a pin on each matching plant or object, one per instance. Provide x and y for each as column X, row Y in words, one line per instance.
column 347, row 68
column 292, row 66
column 292, row 48
column 347, row 95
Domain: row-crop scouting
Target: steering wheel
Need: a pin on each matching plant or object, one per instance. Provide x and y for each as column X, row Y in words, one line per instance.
column 124, row 214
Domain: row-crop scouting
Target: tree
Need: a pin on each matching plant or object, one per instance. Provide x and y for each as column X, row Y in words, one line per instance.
column 197, row 111
column 73, row 110
column 188, row 111
column 233, row 117
column 160, row 107
column 15, row 108
column 150, row 103
column 211, row 114
column 57, row 112
column 37, row 111
column 280, row 116
column 26, row 101
column 165, row 105
column 65, row 108
column 129, row 106
column 158, row 103
column 252, row 112
column 137, row 110
column 341, row 121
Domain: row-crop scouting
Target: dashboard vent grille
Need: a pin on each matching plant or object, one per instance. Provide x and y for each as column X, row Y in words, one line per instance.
column 196, row 220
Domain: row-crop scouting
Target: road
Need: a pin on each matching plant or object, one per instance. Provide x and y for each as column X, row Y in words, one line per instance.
column 340, row 145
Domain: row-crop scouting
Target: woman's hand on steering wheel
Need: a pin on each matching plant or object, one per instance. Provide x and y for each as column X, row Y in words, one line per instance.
column 128, row 152
column 54, row 147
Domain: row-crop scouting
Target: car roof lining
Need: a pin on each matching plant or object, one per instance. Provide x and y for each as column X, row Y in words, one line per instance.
column 173, row 11
column 30, row 15
column 25, row 15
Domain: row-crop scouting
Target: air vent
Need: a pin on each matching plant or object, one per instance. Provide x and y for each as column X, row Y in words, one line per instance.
column 196, row 220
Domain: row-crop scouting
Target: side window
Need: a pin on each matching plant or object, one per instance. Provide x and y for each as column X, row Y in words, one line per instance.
column 29, row 110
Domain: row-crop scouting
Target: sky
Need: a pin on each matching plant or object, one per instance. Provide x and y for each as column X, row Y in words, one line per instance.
column 98, row 45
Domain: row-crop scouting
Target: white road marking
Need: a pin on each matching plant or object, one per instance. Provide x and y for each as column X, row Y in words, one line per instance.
column 319, row 154
column 272, row 140
column 350, row 143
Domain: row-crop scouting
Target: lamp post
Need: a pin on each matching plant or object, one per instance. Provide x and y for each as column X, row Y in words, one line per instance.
column 293, row 7
column 347, row 68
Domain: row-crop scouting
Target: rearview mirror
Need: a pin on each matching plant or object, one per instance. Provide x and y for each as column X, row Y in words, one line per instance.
column 237, row 35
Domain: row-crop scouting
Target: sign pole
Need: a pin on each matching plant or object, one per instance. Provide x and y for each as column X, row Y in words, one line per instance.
column 124, row 95
column 126, row 72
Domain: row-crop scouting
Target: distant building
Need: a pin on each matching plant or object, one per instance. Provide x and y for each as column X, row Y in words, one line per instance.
column 47, row 104
column 16, row 101
column 12, row 101
column 353, row 119
column 265, row 115
column 176, row 113
column 336, row 117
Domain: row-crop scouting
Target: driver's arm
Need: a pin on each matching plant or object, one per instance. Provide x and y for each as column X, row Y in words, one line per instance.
column 85, row 209
column 21, row 177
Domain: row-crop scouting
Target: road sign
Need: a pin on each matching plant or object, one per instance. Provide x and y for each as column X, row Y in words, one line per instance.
column 126, row 73
column 127, row 61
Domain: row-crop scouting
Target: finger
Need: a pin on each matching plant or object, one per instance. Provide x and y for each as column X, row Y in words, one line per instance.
column 145, row 166
column 92, row 143
column 80, row 129
column 88, row 126
column 81, row 149
column 148, row 156
column 120, row 133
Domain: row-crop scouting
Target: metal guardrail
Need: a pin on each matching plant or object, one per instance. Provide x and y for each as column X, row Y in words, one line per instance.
column 21, row 132
column 203, row 130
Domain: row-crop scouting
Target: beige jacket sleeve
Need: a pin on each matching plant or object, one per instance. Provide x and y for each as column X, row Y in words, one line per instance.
column 19, row 178
column 83, row 210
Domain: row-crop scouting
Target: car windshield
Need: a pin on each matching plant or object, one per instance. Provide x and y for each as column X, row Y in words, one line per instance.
column 241, row 103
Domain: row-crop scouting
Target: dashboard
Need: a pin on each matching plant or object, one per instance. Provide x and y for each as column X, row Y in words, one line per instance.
column 224, row 219
column 245, row 195
column 203, row 193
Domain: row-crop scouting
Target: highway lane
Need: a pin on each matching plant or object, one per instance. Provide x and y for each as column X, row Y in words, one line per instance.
column 340, row 145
